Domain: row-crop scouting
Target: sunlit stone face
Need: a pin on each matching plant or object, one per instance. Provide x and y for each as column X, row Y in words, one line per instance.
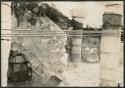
column 114, row 8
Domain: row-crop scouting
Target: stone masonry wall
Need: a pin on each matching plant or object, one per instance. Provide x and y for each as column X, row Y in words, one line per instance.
column 91, row 49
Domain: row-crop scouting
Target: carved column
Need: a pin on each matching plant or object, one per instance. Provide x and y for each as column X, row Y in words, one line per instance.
column 5, row 41
column 76, row 46
column 110, row 47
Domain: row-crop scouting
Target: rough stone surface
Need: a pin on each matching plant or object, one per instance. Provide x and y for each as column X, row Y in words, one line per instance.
column 90, row 49
column 77, row 74
column 47, row 55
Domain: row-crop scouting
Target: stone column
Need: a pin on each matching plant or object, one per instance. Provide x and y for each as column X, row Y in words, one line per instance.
column 5, row 41
column 110, row 47
column 75, row 54
column 76, row 46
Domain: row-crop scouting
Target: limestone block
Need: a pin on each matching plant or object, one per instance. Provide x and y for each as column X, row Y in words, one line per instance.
column 76, row 49
column 121, row 54
column 76, row 57
column 110, row 44
column 6, row 15
column 109, row 74
column 116, row 8
column 110, row 60
column 5, row 49
column 76, row 41
column 5, row 44
column 108, row 83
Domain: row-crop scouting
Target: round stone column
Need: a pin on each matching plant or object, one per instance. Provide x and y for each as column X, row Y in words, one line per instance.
column 5, row 41
column 110, row 48
column 76, row 46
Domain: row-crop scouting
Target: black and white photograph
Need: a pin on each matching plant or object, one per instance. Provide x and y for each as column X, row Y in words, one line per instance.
column 62, row 43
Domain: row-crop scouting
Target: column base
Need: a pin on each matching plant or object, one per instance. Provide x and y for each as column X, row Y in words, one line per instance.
column 108, row 83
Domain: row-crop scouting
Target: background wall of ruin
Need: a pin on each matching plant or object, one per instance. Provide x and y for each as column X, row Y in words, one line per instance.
column 91, row 49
